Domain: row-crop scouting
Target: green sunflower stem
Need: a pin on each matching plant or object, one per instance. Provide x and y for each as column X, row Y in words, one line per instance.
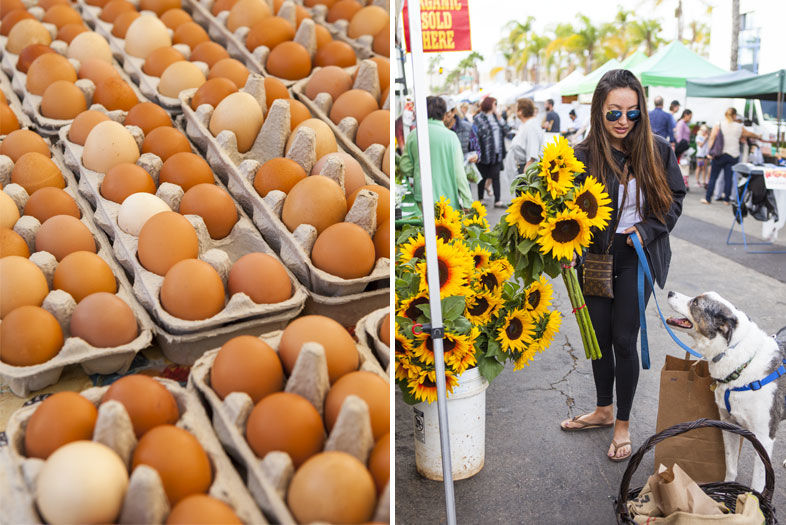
column 588, row 337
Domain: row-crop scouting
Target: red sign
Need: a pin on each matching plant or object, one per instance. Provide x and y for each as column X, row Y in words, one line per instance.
column 775, row 178
column 445, row 25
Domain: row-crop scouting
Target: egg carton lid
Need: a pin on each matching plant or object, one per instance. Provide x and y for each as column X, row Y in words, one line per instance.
column 244, row 238
column 113, row 428
column 269, row 478
column 14, row 103
column 24, row 379
column 363, row 46
column 367, row 332
column 294, row 249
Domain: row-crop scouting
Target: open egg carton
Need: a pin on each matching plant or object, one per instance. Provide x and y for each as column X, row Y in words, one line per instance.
column 367, row 332
column 363, row 45
column 239, row 312
column 14, row 103
column 269, row 478
column 145, row 500
column 367, row 79
column 24, row 379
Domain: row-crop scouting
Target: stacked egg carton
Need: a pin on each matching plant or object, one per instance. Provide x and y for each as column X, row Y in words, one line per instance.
column 342, row 299
column 184, row 341
column 23, row 380
column 363, row 45
column 13, row 102
column 269, row 478
column 145, row 500
column 367, row 332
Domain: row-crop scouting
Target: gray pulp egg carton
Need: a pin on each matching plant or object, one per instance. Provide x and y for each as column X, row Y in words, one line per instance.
column 347, row 309
column 221, row 254
column 8, row 61
column 367, row 332
column 14, row 103
column 238, row 170
column 345, row 131
column 145, row 500
column 268, row 478
column 24, row 379
column 338, row 29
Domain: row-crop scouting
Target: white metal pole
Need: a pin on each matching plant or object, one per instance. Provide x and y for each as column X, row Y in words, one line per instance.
column 430, row 234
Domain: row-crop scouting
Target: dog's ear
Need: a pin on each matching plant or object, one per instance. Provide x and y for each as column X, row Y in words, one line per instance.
column 726, row 324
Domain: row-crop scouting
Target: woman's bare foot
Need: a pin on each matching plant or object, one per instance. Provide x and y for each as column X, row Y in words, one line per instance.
column 599, row 416
column 618, row 450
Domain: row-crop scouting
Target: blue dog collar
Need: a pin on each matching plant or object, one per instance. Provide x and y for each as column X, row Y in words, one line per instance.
column 755, row 385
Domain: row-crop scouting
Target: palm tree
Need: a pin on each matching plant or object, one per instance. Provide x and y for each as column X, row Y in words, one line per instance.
column 735, row 33
column 646, row 31
column 700, row 36
column 470, row 63
column 559, row 57
column 514, row 44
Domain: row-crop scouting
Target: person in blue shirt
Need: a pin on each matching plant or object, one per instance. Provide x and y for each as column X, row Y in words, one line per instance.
column 661, row 122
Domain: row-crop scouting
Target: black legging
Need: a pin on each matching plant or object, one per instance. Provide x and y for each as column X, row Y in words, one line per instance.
column 489, row 171
column 723, row 163
column 616, row 323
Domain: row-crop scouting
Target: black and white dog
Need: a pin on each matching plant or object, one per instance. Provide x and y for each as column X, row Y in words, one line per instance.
column 740, row 355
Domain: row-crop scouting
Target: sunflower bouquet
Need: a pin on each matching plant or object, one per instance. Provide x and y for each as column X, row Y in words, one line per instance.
column 488, row 318
column 550, row 220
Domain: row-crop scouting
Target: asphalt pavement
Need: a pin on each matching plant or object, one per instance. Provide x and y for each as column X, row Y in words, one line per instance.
column 536, row 474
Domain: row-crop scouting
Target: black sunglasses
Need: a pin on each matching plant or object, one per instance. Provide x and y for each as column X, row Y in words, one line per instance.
column 614, row 115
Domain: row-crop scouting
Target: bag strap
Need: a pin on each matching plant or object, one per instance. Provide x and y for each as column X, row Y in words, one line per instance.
column 613, row 229
column 644, row 270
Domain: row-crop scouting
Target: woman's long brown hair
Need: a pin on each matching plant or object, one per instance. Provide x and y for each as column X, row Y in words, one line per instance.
column 639, row 144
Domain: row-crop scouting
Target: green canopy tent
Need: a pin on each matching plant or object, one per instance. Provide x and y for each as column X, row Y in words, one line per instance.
column 633, row 60
column 672, row 65
column 588, row 83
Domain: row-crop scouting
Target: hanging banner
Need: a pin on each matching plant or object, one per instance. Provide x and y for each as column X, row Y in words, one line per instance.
column 775, row 178
column 445, row 25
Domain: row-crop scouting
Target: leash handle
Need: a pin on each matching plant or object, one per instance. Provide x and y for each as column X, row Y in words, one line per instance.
column 644, row 271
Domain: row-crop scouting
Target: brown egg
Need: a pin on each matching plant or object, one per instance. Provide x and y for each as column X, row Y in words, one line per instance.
column 315, row 200
column 369, row 387
column 269, row 32
column 369, row 20
column 298, row 112
column 46, row 69
column 212, row 92
column 47, row 202
column 29, row 54
column 69, row 31
column 29, row 335
column 147, row 116
column 246, row 13
column 173, row 18
column 379, row 462
column 330, row 79
column 354, row 177
column 332, row 487
column 148, row 403
column 288, row 423
column 21, row 283
column 165, row 141
column 11, row 243
column 356, row 103
column 10, row 5
column 23, row 141
column 84, row 273
column 278, row 174
column 11, row 18
column 343, row 10
column 214, row 205
column 246, row 364
column 186, row 170
column 209, row 53
column 104, row 320
column 122, row 22
column 289, row 60
column 192, row 290
column 199, row 508
column 231, row 69
column 382, row 242
column 383, row 73
column 384, row 330
column 335, row 53
column 159, row 7
column 126, row 179
column 63, row 100
column 160, row 59
column 46, row 4
column 115, row 8
column 83, row 124
column 179, row 76
column 60, row 15
column 340, row 350
column 191, row 34
column 61, row 418
column 9, row 212
column 34, row 171
column 97, row 70
column 383, row 203
column 326, row 3
column 222, row 5
column 375, row 129
column 274, row 89
column 381, row 44
column 27, row 32
column 260, row 276
column 344, row 250
column 8, row 120
column 115, row 93
column 107, row 144
column 326, row 140
column 2, row 98
column 62, row 235
column 165, row 239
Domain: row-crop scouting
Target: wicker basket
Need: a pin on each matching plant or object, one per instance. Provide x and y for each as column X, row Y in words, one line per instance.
column 725, row 492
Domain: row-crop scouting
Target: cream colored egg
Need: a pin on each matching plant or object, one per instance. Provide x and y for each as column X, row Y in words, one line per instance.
column 146, row 34
column 9, row 213
column 240, row 113
column 179, row 76
column 89, row 45
column 25, row 33
column 137, row 209
column 107, row 145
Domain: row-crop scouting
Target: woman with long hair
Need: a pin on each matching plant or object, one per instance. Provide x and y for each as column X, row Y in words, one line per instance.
column 491, row 132
column 642, row 177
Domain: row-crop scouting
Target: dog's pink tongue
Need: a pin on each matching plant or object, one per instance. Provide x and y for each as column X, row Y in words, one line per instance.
column 682, row 322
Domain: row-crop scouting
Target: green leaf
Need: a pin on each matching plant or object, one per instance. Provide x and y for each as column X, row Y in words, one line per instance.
column 489, row 368
column 493, row 349
column 453, row 307
column 426, row 309
column 553, row 267
column 537, row 267
column 404, row 324
column 525, row 246
column 408, row 397
column 461, row 325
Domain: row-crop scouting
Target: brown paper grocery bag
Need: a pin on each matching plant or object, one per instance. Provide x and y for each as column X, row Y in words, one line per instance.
column 674, row 491
column 685, row 396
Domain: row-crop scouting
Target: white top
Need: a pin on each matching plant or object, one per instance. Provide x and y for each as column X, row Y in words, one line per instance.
column 629, row 215
column 701, row 144
column 732, row 131
column 528, row 142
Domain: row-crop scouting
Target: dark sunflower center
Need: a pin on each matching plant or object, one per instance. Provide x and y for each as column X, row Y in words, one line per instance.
column 480, row 306
column 553, row 166
column 444, row 272
column 400, row 348
column 588, row 204
column 533, row 299
column 420, row 252
column 444, row 233
column 514, row 329
column 428, row 383
column 489, row 280
column 532, row 212
column 447, row 344
column 412, row 311
column 566, row 230
column 478, row 260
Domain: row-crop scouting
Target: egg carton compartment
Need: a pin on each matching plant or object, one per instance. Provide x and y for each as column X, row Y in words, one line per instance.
column 367, row 79
column 348, row 309
column 8, row 59
column 221, row 254
column 363, row 45
column 14, row 103
column 145, row 500
column 24, row 379
column 239, row 169
column 367, row 332
column 268, row 478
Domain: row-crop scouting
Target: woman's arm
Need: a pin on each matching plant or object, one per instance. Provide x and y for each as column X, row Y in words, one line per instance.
column 746, row 134
column 651, row 228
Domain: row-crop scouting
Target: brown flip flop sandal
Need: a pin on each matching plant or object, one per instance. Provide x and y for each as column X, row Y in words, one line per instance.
column 583, row 425
column 617, row 446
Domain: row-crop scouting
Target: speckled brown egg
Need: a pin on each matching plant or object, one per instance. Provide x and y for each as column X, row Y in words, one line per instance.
column 246, row 13
column 22, row 141
column 68, row 32
column 83, row 124
column 34, row 171
column 186, row 169
column 246, row 364
column 335, row 53
column 214, row 205
column 381, row 44
column 148, row 403
column 115, row 93
column 323, row 35
column 343, row 10
column 374, row 129
column 60, row 15
column 11, row 243
column 274, row 89
column 344, row 250
column 46, row 69
column 260, row 276
column 179, row 76
column 63, row 100
column 369, row 387
column 8, row 120
column 382, row 241
column 278, row 174
column 21, row 283
column 191, row 34
column 356, row 103
column 269, row 32
column 383, row 202
column 27, row 32
column 29, row 54
column 122, row 23
column 289, row 60
column 212, row 92
column 61, row 418
column 115, row 8
column 147, row 116
column 354, row 177
column 160, row 59
column 47, row 202
column 222, row 5
column 173, row 18
column 165, row 239
column 340, row 350
column 84, row 273
column 126, row 179
column 97, row 70
column 159, row 7
column 165, row 141
column 209, row 53
column 104, row 320
column 330, row 79
column 199, row 508
column 29, row 335
column 231, row 69
column 315, row 200
column 192, row 290
column 326, row 140
column 10, row 19
column 63, row 235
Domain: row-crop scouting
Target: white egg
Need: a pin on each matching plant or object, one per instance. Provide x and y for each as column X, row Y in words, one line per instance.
column 146, row 34
column 89, row 45
column 137, row 209
column 109, row 143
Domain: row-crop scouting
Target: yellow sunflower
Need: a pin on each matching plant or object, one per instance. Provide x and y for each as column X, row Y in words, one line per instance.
column 552, row 327
column 403, row 350
column 443, row 210
column 517, row 331
column 558, row 167
column 455, row 266
column 454, row 346
column 480, row 257
column 592, row 199
column 448, row 230
column 479, row 209
column 477, row 221
column 481, row 306
column 424, row 386
column 415, row 248
column 409, row 307
column 491, row 278
column 526, row 357
column 527, row 212
column 538, row 296
column 460, row 364
column 504, row 267
column 564, row 234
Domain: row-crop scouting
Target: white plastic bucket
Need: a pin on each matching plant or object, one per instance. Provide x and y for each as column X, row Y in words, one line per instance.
column 467, row 424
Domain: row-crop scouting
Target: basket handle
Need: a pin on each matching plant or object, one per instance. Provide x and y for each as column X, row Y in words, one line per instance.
column 681, row 428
